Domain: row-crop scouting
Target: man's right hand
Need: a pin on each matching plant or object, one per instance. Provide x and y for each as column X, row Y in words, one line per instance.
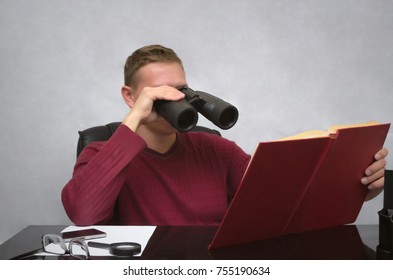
column 142, row 111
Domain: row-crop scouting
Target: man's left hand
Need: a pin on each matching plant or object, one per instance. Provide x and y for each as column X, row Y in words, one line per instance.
column 374, row 174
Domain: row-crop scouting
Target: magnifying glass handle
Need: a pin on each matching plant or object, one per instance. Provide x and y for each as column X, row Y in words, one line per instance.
column 98, row 245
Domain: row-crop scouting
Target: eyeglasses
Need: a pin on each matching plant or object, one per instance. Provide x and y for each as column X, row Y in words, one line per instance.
column 55, row 244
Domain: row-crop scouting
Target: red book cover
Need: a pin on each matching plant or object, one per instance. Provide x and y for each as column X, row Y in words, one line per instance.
column 297, row 185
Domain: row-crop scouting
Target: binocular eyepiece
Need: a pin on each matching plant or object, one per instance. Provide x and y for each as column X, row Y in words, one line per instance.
column 183, row 114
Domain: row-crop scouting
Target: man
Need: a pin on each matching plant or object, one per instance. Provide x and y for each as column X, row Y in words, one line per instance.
column 148, row 173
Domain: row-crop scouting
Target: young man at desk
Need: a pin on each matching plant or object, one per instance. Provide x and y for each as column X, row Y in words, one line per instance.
column 148, row 173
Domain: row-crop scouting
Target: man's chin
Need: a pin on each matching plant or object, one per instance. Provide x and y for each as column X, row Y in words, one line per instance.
column 162, row 127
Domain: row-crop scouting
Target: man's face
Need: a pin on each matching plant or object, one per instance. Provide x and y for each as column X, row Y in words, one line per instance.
column 159, row 74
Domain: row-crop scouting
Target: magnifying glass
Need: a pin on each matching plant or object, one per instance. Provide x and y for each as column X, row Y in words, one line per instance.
column 121, row 249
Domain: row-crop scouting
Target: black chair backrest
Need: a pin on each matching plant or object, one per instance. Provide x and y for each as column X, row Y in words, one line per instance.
column 104, row 132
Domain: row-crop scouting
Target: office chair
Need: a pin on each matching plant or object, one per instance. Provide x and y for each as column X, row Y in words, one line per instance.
column 104, row 132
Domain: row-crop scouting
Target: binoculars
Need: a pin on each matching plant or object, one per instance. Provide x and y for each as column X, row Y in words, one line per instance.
column 183, row 114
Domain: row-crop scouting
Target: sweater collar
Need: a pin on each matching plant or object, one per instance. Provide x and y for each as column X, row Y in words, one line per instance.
column 167, row 154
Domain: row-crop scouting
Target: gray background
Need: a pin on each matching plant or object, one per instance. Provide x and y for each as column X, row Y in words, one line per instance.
column 288, row 66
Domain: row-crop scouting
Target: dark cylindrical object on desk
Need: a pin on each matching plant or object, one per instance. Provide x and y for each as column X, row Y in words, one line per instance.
column 388, row 190
column 218, row 111
column 385, row 247
column 180, row 114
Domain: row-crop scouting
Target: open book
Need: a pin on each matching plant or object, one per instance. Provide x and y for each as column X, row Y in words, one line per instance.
column 306, row 182
column 331, row 132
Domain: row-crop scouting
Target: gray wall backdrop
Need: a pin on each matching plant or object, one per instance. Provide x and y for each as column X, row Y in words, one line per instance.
column 288, row 66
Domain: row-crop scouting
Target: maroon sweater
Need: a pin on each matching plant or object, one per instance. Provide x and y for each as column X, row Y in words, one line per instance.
column 121, row 181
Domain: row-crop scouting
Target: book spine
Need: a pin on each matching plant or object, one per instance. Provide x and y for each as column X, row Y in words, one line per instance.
column 310, row 181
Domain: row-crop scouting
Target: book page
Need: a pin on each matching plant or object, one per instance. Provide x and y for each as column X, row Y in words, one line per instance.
column 320, row 133
column 333, row 129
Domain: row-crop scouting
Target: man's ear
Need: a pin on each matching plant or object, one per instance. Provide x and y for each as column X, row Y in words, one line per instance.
column 128, row 95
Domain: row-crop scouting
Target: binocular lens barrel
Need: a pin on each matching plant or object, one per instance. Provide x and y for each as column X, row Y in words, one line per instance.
column 218, row 111
column 180, row 114
column 183, row 114
column 228, row 117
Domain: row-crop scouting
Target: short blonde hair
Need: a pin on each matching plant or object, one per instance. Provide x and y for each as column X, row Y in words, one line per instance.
column 144, row 56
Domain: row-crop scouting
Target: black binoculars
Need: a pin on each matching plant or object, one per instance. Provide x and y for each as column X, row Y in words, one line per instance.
column 183, row 114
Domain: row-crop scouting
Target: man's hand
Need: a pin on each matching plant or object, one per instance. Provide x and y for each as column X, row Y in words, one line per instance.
column 374, row 174
column 142, row 111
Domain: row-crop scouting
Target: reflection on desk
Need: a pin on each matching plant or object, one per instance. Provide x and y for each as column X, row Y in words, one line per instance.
column 186, row 243
column 191, row 243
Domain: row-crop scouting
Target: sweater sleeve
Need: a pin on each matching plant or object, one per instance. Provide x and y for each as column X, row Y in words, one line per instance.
column 239, row 161
column 99, row 173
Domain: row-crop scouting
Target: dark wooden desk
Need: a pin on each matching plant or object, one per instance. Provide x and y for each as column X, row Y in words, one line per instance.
column 344, row 242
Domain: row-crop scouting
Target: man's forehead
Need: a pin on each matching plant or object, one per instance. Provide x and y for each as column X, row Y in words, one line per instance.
column 158, row 74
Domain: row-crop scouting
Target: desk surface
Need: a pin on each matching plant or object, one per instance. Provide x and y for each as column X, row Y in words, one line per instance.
column 169, row 242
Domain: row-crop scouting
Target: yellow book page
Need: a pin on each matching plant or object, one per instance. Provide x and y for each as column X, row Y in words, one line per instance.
column 333, row 129
column 320, row 133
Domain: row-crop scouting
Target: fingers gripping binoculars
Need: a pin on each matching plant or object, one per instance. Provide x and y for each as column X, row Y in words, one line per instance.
column 183, row 114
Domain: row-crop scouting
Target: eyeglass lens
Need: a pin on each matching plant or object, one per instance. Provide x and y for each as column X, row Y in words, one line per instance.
column 55, row 244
